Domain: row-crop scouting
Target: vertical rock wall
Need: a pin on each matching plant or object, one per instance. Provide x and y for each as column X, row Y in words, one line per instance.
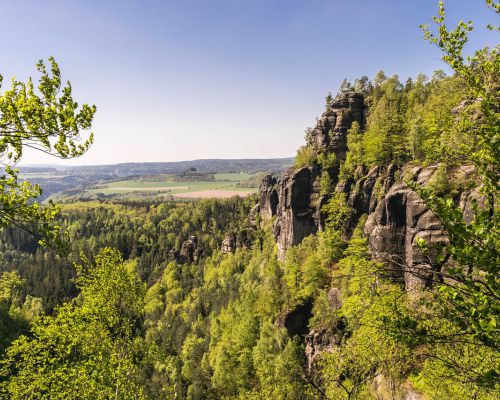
column 397, row 217
column 294, row 200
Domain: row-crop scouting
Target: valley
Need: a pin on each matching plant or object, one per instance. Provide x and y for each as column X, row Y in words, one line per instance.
column 186, row 179
column 366, row 267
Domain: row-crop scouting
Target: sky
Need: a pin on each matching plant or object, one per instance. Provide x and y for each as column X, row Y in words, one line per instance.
column 189, row 79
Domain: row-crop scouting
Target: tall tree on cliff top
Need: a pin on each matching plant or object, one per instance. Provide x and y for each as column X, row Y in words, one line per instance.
column 47, row 119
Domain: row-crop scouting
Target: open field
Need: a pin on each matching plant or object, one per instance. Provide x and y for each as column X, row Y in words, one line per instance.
column 147, row 180
column 140, row 189
column 225, row 185
column 216, row 193
column 232, row 177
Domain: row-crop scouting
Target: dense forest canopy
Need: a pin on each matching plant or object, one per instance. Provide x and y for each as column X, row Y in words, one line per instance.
column 191, row 300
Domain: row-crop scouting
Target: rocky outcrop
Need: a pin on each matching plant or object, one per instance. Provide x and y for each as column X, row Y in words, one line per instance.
column 384, row 389
column 397, row 219
column 268, row 197
column 319, row 342
column 189, row 252
column 325, row 338
column 468, row 200
column 297, row 213
column 294, row 200
column 228, row 244
column 393, row 230
column 330, row 133
column 366, row 192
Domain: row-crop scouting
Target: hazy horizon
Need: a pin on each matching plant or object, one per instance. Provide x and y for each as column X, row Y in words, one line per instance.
column 63, row 163
column 177, row 81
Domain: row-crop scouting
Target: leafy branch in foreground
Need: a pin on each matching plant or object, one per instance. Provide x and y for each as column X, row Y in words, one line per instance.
column 46, row 119
column 471, row 298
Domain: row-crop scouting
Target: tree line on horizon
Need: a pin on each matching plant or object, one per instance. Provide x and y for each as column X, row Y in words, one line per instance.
column 94, row 304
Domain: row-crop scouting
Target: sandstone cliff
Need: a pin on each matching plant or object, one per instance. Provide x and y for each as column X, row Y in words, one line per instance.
column 396, row 216
column 294, row 199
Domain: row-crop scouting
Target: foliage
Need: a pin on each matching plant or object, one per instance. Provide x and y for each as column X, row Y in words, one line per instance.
column 89, row 347
column 329, row 169
column 333, row 239
column 439, row 182
column 387, row 337
column 222, row 327
column 411, row 122
column 383, row 139
column 12, row 322
column 355, row 155
column 149, row 232
column 304, row 271
column 305, row 156
column 46, row 119
column 470, row 297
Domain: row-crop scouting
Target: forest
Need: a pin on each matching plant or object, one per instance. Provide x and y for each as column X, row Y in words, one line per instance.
column 194, row 299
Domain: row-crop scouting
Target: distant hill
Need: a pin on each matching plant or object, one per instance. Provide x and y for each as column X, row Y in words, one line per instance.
column 205, row 165
column 75, row 179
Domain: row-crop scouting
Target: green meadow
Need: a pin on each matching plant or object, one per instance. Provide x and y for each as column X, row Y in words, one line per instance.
column 228, row 182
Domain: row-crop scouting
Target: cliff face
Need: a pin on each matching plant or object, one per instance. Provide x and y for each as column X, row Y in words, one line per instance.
column 397, row 217
column 394, row 226
column 294, row 199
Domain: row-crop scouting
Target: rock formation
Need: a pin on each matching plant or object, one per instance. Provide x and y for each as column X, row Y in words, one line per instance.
column 297, row 212
column 228, row 244
column 295, row 199
column 394, row 227
column 269, row 197
column 330, row 133
column 188, row 251
column 319, row 341
column 396, row 216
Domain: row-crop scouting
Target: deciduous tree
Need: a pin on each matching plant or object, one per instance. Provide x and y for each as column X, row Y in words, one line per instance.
column 45, row 118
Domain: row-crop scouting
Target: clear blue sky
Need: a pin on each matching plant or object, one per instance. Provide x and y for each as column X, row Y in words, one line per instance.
column 186, row 79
